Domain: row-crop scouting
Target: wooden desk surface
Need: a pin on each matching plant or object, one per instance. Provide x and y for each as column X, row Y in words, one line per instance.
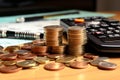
column 90, row 73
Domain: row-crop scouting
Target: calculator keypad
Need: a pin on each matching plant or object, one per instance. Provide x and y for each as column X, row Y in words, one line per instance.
column 105, row 29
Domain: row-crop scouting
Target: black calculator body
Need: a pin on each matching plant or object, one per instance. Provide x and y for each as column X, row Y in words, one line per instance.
column 103, row 33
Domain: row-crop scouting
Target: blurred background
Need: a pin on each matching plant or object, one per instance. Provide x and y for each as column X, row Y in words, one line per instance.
column 16, row 7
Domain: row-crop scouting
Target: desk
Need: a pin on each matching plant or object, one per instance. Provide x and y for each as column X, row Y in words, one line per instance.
column 90, row 73
column 117, row 14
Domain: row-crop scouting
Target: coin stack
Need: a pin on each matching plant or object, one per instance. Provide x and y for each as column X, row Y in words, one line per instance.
column 58, row 49
column 53, row 35
column 76, row 39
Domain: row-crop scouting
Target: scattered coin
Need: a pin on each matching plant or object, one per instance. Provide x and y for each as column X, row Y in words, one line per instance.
column 41, row 60
column 95, row 62
column 66, row 59
column 9, row 63
column 103, row 58
column 11, row 49
column 27, row 64
column 55, row 56
column 54, row 66
column 1, row 48
column 107, row 65
column 22, row 52
column 27, row 56
column 9, row 69
column 10, row 56
column 79, row 64
column 90, row 56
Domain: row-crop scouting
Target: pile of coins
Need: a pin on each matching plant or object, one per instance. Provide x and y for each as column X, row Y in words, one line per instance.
column 76, row 39
column 21, row 59
column 51, row 52
column 100, row 62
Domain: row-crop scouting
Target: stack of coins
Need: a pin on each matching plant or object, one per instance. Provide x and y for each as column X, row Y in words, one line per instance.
column 53, row 35
column 58, row 49
column 76, row 39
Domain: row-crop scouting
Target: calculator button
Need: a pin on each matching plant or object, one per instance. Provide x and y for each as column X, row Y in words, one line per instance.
column 117, row 31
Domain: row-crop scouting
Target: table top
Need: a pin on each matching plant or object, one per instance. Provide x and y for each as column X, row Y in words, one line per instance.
column 90, row 73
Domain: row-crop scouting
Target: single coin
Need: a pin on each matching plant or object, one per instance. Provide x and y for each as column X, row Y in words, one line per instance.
column 95, row 62
column 27, row 64
column 39, row 41
column 42, row 54
column 22, row 52
column 9, row 63
column 41, row 60
column 27, row 56
column 10, row 56
column 76, row 30
column 1, row 48
column 11, row 49
column 27, row 46
column 54, row 66
column 86, row 60
column 39, row 49
column 9, row 69
column 90, row 56
column 107, row 65
column 66, row 59
column 102, row 58
column 55, row 56
column 3, row 53
column 52, row 28
column 79, row 64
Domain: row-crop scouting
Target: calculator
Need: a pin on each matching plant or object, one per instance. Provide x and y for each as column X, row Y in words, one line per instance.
column 103, row 33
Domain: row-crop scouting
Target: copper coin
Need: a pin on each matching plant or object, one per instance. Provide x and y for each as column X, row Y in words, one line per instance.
column 10, row 56
column 9, row 63
column 27, row 46
column 11, row 49
column 3, row 52
column 39, row 49
column 53, row 28
column 22, row 52
column 54, row 66
column 55, row 56
column 42, row 54
column 76, row 30
column 9, row 69
column 107, row 65
column 79, row 64
column 1, row 47
column 27, row 56
column 39, row 41
column 90, row 56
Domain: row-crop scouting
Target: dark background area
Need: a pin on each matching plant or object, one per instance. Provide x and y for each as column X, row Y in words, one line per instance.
column 16, row 7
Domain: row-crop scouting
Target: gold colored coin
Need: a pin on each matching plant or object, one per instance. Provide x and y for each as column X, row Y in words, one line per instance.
column 41, row 60
column 9, row 63
column 66, row 60
column 12, row 48
column 27, row 63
